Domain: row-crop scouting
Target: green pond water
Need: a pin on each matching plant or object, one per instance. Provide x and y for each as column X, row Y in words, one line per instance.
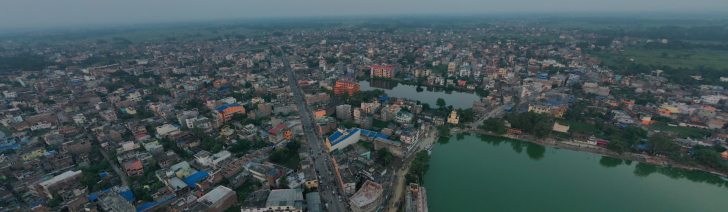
column 488, row 173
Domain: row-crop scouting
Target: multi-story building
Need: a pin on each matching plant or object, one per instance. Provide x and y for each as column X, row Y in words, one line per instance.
column 370, row 107
column 346, row 86
column 226, row 112
column 368, row 198
column 383, row 71
column 343, row 112
column 403, row 117
column 62, row 181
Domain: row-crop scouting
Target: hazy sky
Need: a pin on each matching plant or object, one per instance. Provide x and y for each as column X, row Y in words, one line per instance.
column 35, row 13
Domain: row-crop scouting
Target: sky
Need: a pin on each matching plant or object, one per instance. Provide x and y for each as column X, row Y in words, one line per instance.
column 55, row 13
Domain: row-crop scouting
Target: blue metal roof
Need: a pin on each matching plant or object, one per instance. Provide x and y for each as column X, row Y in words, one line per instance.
column 221, row 108
column 384, row 98
column 352, row 132
column 128, row 195
column 93, row 197
column 192, row 179
column 335, row 136
column 382, row 135
column 152, row 204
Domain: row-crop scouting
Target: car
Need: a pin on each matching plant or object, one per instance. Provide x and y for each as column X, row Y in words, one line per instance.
column 333, row 192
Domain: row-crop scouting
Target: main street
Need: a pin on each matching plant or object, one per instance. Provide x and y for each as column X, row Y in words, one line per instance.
column 328, row 183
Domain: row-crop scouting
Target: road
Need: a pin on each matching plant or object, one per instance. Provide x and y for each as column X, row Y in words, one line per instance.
column 400, row 186
column 320, row 154
column 116, row 169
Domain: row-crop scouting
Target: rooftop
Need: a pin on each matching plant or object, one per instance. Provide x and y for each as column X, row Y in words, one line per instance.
column 368, row 193
column 284, row 197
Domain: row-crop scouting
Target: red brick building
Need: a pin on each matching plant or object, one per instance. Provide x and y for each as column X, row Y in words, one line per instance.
column 134, row 169
column 346, row 86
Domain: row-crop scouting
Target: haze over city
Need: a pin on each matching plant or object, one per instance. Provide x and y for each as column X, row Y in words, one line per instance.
column 51, row 13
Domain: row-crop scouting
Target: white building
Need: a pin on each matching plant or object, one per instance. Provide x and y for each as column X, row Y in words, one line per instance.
column 136, row 96
column 79, row 118
column 41, row 125
column 343, row 138
column 10, row 94
column 166, row 129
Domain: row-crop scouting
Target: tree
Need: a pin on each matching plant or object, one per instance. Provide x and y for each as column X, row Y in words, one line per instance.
column 441, row 103
column 443, row 130
column 385, row 157
column 494, row 125
column 283, row 182
column 425, row 107
column 662, row 144
column 349, row 124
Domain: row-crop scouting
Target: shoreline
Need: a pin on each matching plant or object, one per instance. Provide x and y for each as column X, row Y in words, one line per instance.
column 596, row 150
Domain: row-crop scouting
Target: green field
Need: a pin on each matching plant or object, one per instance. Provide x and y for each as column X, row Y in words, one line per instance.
column 673, row 58
column 581, row 127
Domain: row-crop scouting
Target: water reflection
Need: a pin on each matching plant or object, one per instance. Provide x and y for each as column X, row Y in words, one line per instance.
column 538, row 152
column 644, row 169
column 610, row 162
column 535, row 151
column 383, row 84
column 424, row 94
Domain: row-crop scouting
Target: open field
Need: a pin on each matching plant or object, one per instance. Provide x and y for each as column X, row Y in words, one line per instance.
column 674, row 58
column 684, row 131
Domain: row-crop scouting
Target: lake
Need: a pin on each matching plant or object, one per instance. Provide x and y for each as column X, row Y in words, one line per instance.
column 488, row 173
column 426, row 95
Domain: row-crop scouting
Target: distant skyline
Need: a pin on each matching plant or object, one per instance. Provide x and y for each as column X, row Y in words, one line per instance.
column 55, row 13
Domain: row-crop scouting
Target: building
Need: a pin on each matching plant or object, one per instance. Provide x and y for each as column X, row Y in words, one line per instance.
column 284, row 200
column 370, row 107
column 166, row 129
column 403, row 117
column 454, row 118
column 343, row 86
column 539, row 109
column 343, row 138
column 134, row 169
column 343, row 112
column 108, row 115
column 60, row 182
column 383, row 71
column 279, row 133
column 369, row 197
column 226, row 112
column 313, row 202
column 217, row 200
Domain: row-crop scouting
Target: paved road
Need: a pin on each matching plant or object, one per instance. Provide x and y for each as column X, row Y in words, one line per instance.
column 116, row 169
column 316, row 144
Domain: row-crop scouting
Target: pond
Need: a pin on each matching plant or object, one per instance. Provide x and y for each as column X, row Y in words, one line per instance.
column 424, row 94
column 478, row 173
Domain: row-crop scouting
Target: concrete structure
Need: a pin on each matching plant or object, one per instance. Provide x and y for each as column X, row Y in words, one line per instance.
column 368, row 198
column 313, row 201
column 217, row 200
column 60, row 182
column 166, row 129
column 343, row 138
column 343, row 112
column 226, row 112
column 285, row 200
column 347, row 86
column 403, row 117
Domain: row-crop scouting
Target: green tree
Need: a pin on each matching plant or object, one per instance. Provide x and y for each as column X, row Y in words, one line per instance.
column 662, row 144
column 441, row 103
column 443, row 130
column 283, row 182
column 384, row 156
column 425, row 107
column 349, row 124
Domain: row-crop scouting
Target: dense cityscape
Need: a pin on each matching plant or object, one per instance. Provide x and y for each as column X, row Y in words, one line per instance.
column 275, row 118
